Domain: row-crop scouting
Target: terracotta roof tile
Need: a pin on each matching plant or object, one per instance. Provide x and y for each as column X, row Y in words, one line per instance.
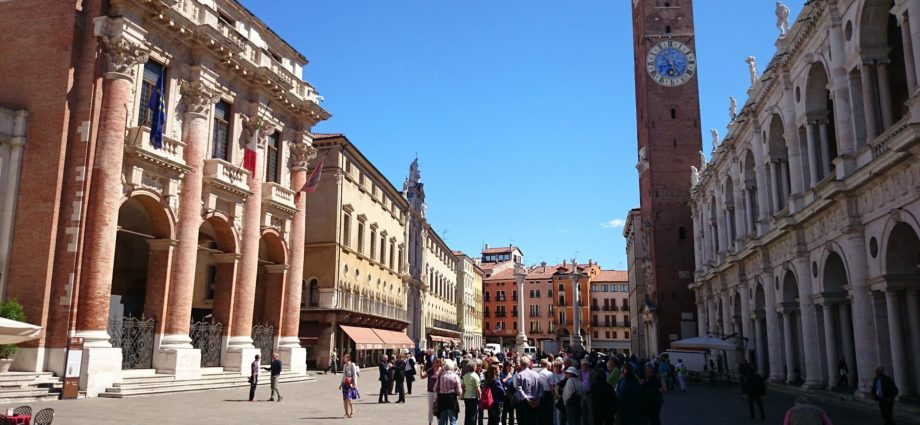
column 612, row 276
column 499, row 250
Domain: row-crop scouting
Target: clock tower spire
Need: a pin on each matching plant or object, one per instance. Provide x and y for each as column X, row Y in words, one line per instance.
column 669, row 140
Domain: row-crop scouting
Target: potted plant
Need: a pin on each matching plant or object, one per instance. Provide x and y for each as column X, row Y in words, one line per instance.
column 10, row 309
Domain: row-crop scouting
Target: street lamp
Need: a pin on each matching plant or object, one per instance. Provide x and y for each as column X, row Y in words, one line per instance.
column 576, row 343
column 520, row 273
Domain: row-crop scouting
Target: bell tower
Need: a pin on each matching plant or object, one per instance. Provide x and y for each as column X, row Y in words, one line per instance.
column 669, row 141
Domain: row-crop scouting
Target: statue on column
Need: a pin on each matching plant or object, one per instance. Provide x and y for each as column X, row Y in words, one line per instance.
column 732, row 108
column 782, row 19
column 752, row 68
column 694, row 176
column 715, row 138
column 702, row 161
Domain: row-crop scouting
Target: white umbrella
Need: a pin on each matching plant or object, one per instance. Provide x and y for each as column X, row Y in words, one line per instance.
column 13, row 332
column 705, row 342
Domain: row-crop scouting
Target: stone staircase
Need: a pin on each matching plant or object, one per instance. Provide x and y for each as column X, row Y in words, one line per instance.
column 16, row 387
column 141, row 382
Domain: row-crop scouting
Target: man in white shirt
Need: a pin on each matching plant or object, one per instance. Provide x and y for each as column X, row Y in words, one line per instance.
column 548, row 380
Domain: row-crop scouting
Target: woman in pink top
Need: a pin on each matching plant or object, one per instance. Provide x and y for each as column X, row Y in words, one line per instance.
column 432, row 376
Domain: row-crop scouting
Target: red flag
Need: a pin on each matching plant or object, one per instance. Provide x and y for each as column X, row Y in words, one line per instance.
column 313, row 181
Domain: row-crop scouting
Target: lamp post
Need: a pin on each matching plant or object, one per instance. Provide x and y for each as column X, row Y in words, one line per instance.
column 576, row 344
column 520, row 273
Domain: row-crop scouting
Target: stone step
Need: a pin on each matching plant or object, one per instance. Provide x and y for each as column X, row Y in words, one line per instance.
column 217, row 382
column 17, row 387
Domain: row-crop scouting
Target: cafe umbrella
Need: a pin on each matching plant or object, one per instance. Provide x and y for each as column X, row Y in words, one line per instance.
column 13, row 332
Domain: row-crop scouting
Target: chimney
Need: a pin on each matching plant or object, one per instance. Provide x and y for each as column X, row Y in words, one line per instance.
column 543, row 264
column 487, row 247
column 563, row 263
column 590, row 262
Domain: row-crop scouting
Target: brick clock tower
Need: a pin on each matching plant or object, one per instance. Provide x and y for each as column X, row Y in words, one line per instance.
column 669, row 136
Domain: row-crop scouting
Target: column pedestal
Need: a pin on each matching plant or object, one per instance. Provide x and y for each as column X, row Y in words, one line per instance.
column 100, row 369
column 293, row 356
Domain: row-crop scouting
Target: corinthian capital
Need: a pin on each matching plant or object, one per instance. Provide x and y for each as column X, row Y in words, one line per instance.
column 301, row 154
column 122, row 57
column 197, row 97
column 250, row 124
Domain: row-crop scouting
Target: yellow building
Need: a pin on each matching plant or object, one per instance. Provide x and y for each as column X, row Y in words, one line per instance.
column 354, row 297
column 469, row 297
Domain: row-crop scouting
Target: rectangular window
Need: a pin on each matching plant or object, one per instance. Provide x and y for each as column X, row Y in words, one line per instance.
column 392, row 248
column 152, row 72
column 614, row 333
column 607, row 334
column 625, row 334
column 373, row 244
column 383, row 249
column 623, row 288
column 220, row 135
column 361, row 237
column 346, row 230
column 273, row 157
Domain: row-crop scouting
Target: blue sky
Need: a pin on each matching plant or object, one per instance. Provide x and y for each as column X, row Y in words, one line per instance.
column 522, row 112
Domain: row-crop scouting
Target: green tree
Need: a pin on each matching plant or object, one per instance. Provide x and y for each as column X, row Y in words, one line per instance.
column 10, row 309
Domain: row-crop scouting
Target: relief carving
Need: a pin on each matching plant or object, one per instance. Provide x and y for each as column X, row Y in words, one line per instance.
column 197, row 97
column 250, row 123
column 301, row 154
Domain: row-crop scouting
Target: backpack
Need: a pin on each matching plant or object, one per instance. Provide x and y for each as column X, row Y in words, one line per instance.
column 485, row 400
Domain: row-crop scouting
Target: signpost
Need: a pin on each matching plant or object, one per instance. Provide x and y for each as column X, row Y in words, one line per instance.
column 72, row 368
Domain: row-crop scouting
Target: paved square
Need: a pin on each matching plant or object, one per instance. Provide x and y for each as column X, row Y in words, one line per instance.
column 319, row 402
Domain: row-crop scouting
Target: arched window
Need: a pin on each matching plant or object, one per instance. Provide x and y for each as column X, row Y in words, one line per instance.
column 314, row 293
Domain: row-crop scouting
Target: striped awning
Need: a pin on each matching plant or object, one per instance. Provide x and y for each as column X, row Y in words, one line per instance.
column 364, row 338
column 394, row 339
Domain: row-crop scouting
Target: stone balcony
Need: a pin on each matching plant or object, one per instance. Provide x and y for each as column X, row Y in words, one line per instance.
column 279, row 203
column 226, row 183
column 156, row 170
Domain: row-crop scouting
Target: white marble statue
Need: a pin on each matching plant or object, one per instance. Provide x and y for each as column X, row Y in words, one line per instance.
column 694, row 176
column 715, row 138
column 702, row 161
column 782, row 19
column 752, row 68
column 732, row 108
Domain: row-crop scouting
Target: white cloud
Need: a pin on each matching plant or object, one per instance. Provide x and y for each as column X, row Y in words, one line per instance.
column 613, row 224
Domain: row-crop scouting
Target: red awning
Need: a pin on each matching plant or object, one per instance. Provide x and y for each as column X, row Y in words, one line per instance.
column 394, row 339
column 364, row 338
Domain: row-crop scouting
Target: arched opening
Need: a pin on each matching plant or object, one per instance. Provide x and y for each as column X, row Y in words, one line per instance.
column 141, row 251
column 902, row 275
column 792, row 330
column 838, row 325
column 749, row 193
column 778, row 167
column 820, row 133
column 214, row 271
column 269, row 293
column 883, row 73
column 761, row 353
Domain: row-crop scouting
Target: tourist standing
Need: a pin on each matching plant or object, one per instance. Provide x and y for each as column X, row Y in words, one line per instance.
column 448, row 387
column 754, row 388
column 651, row 399
column 409, row 372
column 843, row 372
column 507, row 378
column 548, row 380
column 275, row 370
column 349, row 385
column 529, row 392
column 605, row 398
column 332, row 364
column 254, row 377
column 383, row 369
column 628, row 394
column 431, row 376
column 805, row 413
column 571, row 397
column 587, row 398
column 471, row 393
column 682, row 375
column 497, row 389
column 885, row 392
column 399, row 372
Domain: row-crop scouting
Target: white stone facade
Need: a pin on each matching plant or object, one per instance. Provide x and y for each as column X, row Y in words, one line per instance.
column 806, row 218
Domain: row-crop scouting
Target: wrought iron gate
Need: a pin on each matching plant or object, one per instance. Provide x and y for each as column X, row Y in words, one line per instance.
column 263, row 336
column 206, row 336
column 135, row 338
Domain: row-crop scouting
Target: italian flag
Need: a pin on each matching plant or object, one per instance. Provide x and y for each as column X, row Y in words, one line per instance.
column 249, row 156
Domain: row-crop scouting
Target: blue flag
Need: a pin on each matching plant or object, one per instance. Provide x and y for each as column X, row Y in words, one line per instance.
column 157, row 107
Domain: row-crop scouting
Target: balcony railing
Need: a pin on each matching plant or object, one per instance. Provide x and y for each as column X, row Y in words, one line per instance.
column 226, row 176
column 595, row 307
column 440, row 324
column 348, row 301
column 278, row 194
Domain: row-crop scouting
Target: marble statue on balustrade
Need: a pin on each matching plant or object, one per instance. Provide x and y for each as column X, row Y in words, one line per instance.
column 694, row 176
column 752, row 68
column 782, row 19
column 715, row 138
column 732, row 108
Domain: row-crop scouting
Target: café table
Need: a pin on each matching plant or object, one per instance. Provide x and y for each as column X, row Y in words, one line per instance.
column 20, row 419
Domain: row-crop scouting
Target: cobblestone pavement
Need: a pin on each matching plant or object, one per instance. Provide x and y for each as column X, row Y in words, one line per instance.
column 319, row 402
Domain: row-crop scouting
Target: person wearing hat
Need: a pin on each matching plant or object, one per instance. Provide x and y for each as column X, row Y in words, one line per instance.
column 572, row 394
column 805, row 413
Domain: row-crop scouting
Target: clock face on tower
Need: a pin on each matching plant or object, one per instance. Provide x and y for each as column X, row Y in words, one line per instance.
column 670, row 63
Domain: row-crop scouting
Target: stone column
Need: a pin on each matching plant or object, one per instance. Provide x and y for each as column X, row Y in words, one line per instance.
column 774, row 340
column 830, row 343
column 909, row 62
column 700, row 315
column 176, row 353
column 846, row 341
column 10, row 173
column 784, row 182
column 825, row 148
column 101, row 363
column 896, row 331
column 913, row 316
column 746, row 330
column 814, row 374
column 731, row 356
column 861, row 307
column 884, row 96
column 788, row 347
column 813, row 164
column 913, row 19
column 292, row 354
column 772, row 170
column 749, row 219
column 843, row 105
column 870, row 103
column 240, row 351
column 159, row 264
